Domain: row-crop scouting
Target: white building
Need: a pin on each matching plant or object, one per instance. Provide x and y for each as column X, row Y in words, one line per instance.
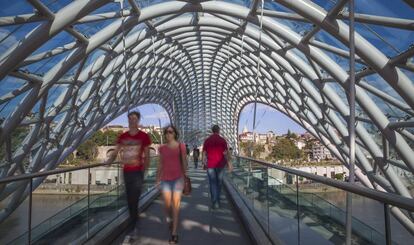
column 151, row 128
column 247, row 136
column 277, row 177
column 116, row 128
column 300, row 144
column 99, row 176
column 320, row 152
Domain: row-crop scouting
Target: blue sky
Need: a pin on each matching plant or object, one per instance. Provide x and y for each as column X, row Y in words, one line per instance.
column 267, row 119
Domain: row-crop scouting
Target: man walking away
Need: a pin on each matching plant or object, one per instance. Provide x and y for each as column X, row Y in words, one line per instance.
column 196, row 155
column 133, row 147
column 216, row 156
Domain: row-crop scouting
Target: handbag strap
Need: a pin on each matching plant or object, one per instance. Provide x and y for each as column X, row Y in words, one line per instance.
column 181, row 158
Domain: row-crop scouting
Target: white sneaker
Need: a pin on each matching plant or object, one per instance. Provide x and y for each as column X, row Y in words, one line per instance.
column 127, row 240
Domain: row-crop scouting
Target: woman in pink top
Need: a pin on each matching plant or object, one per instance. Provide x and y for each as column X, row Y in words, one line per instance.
column 170, row 175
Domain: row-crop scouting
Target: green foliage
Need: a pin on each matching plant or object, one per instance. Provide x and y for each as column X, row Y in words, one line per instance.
column 291, row 135
column 339, row 176
column 257, row 150
column 285, row 149
column 17, row 137
column 105, row 138
column 88, row 150
column 155, row 137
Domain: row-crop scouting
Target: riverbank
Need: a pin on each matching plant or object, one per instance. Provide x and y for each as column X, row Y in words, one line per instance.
column 71, row 189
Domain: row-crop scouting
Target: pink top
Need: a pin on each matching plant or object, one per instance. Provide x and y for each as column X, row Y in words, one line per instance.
column 170, row 162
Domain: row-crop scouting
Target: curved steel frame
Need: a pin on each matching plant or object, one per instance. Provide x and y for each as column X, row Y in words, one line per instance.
column 202, row 69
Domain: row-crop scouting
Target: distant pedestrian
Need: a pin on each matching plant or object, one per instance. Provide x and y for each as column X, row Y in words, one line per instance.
column 216, row 156
column 170, row 174
column 133, row 147
column 187, row 150
column 196, row 155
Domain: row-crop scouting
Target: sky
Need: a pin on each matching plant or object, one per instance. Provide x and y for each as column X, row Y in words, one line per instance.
column 267, row 119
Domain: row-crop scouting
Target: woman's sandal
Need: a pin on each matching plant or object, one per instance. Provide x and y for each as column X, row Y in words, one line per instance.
column 173, row 239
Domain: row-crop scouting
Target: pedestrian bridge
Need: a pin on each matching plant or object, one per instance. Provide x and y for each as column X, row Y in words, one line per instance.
column 336, row 67
column 263, row 204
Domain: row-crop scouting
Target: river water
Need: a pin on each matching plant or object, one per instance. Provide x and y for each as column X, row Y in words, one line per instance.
column 44, row 206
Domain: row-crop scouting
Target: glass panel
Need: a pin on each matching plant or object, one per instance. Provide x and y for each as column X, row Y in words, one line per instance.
column 105, row 206
column 60, row 205
column 399, row 234
column 62, row 210
column 54, row 5
column 15, row 226
column 283, row 224
column 10, row 8
column 323, row 212
column 245, row 3
column 259, row 194
column 11, row 35
column 89, row 29
column 146, row 3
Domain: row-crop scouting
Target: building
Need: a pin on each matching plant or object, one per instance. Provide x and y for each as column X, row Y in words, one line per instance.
column 151, row 128
column 320, row 152
column 120, row 128
column 307, row 136
column 116, row 128
column 299, row 143
column 279, row 177
column 247, row 136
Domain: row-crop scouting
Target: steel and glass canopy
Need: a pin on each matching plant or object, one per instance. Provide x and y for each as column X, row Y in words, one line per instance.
column 67, row 68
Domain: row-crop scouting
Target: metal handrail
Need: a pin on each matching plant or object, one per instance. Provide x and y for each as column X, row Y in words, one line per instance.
column 384, row 197
column 55, row 171
column 51, row 172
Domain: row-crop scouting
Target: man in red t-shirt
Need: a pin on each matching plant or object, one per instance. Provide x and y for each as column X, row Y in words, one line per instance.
column 216, row 156
column 133, row 147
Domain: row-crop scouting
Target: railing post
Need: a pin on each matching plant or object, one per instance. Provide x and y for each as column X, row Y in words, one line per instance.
column 351, row 121
column 387, row 224
column 30, row 211
column 89, row 200
column 297, row 207
column 267, row 199
column 118, row 191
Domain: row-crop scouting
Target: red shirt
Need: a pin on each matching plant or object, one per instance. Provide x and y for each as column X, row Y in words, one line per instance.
column 215, row 146
column 171, row 168
column 132, row 152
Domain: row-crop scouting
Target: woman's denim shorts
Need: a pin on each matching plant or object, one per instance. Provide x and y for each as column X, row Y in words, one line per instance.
column 176, row 185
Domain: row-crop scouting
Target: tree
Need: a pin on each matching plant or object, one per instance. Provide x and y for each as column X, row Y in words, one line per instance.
column 155, row 137
column 257, row 150
column 16, row 139
column 285, row 149
column 245, row 147
column 291, row 135
column 88, row 150
column 108, row 137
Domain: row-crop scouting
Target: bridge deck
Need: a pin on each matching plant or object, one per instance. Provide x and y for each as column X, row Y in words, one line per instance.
column 198, row 223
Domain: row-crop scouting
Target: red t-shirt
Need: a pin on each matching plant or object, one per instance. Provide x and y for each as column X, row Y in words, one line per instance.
column 215, row 146
column 132, row 152
column 171, row 168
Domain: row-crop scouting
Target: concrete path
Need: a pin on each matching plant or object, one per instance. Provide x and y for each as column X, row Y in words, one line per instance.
column 198, row 223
